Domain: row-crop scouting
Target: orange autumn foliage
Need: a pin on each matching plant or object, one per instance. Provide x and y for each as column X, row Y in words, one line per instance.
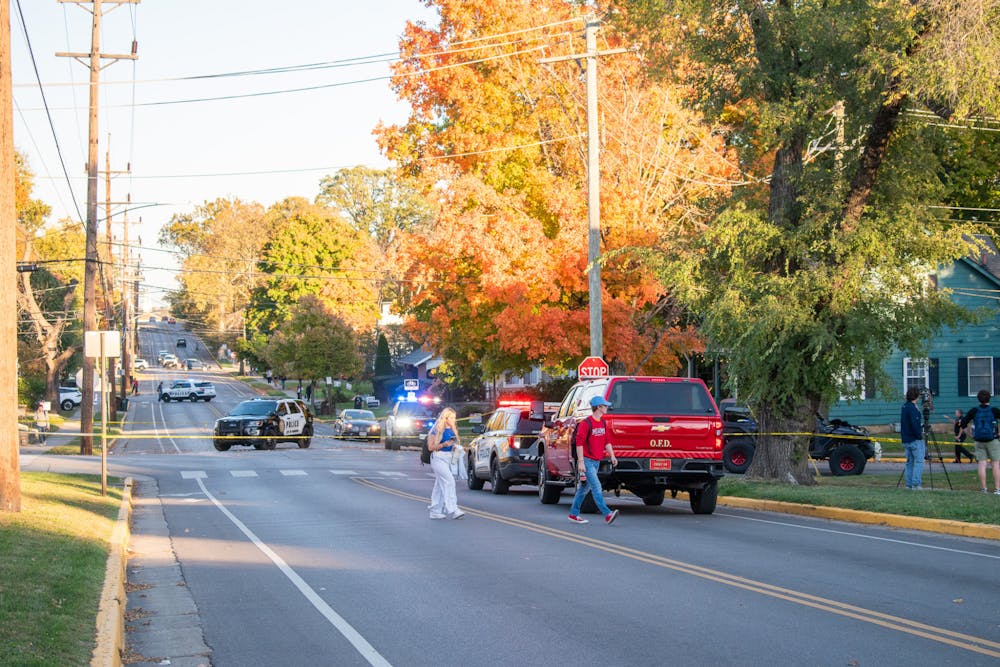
column 499, row 142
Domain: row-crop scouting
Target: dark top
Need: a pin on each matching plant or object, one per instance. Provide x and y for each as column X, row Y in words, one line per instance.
column 971, row 414
column 909, row 423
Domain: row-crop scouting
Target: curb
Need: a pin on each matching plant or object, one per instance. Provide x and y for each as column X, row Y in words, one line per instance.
column 110, row 631
column 946, row 526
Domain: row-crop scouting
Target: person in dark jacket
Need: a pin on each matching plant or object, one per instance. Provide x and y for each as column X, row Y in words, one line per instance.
column 961, row 435
column 912, row 434
column 985, row 449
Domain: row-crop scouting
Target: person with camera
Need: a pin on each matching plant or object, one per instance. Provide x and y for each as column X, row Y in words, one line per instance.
column 912, row 434
column 984, row 420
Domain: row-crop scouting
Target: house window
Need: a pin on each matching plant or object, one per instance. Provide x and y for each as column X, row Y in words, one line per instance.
column 853, row 385
column 916, row 373
column 980, row 374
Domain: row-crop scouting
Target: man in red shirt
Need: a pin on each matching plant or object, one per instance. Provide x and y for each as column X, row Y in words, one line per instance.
column 591, row 445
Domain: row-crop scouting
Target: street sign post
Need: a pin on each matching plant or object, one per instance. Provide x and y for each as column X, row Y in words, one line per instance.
column 593, row 367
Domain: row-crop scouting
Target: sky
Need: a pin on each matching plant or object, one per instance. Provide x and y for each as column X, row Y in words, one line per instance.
column 181, row 152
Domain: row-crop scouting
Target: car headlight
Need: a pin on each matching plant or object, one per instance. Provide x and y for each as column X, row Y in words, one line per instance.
column 374, row 428
column 404, row 422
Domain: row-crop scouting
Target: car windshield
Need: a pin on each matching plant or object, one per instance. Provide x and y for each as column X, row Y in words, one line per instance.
column 359, row 414
column 660, row 398
column 415, row 410
column 253, row 408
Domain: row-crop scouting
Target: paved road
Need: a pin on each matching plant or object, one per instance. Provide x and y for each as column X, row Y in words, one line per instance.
column 326, row 556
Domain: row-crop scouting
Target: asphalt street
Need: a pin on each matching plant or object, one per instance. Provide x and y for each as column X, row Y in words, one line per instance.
column 326, row 556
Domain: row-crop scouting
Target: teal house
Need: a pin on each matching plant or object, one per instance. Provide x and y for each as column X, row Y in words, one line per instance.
column 960, row 362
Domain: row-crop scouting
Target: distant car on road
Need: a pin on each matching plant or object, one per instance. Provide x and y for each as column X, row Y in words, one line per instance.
column 182, row 342
column 69, row 398
column 180, row 390
column 171, row 320
column 361, row 424
column 140, row 364
column 409, row 422
column 194, row 364
column 170, row 361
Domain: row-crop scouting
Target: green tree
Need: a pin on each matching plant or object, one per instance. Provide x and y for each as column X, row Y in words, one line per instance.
column 314, row 251
column 313, row 343
column 383, row 360
column 220, row 243
column 819, row 265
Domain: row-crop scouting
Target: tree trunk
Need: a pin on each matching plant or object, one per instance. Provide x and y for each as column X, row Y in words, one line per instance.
column 784, row 456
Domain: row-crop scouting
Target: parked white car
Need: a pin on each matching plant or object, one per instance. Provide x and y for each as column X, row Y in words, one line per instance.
column 69, row 398
column 140, row 364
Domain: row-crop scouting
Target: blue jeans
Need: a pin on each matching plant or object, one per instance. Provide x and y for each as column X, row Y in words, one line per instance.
column 592, row 485
column 914, row 462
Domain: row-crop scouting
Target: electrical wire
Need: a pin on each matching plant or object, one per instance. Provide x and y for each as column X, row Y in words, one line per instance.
column 41, row 90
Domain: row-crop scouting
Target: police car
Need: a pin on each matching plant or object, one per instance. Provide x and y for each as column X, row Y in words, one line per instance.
column 262, row 423
column 181, row 390
column 410, row 421
column 506, row 450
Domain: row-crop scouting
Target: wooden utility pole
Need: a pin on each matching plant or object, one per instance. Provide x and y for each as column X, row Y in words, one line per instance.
column 10, row 468
column 593, row 181
column 93, row 59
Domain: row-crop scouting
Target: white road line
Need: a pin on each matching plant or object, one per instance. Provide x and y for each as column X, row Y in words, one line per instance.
column 193, row 474
column 392, row 474
column 293, row 473
column 861, row 535
column 243, row 473
column 344, row 472
column 360, row 644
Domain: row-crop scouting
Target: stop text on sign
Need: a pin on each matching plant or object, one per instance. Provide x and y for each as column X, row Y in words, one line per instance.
column 593, row 367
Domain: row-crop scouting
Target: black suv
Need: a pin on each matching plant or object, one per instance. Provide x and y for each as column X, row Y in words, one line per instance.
column 263, row 423
column 409, row 422
column 506, row 451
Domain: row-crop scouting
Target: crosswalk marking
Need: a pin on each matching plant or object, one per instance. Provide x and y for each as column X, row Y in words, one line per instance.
column 392, row 474
column 193, row 474
column 344, row 472
column 293, row 473
column 243, row 473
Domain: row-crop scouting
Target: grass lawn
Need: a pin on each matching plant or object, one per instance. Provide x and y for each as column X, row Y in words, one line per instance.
column 52, row 560
column 878, row 493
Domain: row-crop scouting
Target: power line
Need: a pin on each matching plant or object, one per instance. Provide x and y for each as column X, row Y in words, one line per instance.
column 41, row 91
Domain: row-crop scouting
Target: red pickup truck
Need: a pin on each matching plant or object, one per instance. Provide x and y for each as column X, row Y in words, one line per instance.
column 666, row 433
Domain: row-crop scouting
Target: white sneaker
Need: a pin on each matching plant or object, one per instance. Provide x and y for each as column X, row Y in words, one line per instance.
column 997, row 492
column 438, row 516
column 456, row 515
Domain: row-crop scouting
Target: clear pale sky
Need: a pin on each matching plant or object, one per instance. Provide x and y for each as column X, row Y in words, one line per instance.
column 182, row 154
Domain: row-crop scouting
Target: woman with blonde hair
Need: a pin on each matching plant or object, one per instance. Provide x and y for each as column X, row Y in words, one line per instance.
column 441, row 440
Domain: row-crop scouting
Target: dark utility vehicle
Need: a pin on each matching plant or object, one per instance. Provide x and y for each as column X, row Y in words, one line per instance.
column 666, row 433
column 409, row 422
column 845, row 446
column 263, row 423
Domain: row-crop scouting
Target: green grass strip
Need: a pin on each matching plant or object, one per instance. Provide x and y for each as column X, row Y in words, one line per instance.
column 52, row 561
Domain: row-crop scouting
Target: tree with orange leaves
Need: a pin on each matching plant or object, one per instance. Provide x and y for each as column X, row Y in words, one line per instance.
column 498, row 140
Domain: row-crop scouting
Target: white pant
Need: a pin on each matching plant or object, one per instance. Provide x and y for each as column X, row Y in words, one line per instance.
column 444, row 500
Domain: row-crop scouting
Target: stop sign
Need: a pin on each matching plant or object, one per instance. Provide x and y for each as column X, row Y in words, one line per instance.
column 592, row 367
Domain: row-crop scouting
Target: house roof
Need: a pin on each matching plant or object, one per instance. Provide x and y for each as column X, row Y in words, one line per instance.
column 415, row 358
column 985, row 258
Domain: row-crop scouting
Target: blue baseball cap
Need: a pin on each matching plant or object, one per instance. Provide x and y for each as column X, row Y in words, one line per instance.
column 598, row 400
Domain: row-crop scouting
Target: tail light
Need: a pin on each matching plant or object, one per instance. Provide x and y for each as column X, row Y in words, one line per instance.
column 717, row 425
column 513, row 442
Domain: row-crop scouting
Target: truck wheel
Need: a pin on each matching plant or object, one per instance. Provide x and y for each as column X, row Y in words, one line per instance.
column 847, row 460
column 221, row 446
column 473, row 482
column 548, row 494
column 271, row 440
column 703, row 500
column 193, row 398
column 737, row 456
column 165, row 398
column 654, row 499
column 306, row 437
column 499, row 485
